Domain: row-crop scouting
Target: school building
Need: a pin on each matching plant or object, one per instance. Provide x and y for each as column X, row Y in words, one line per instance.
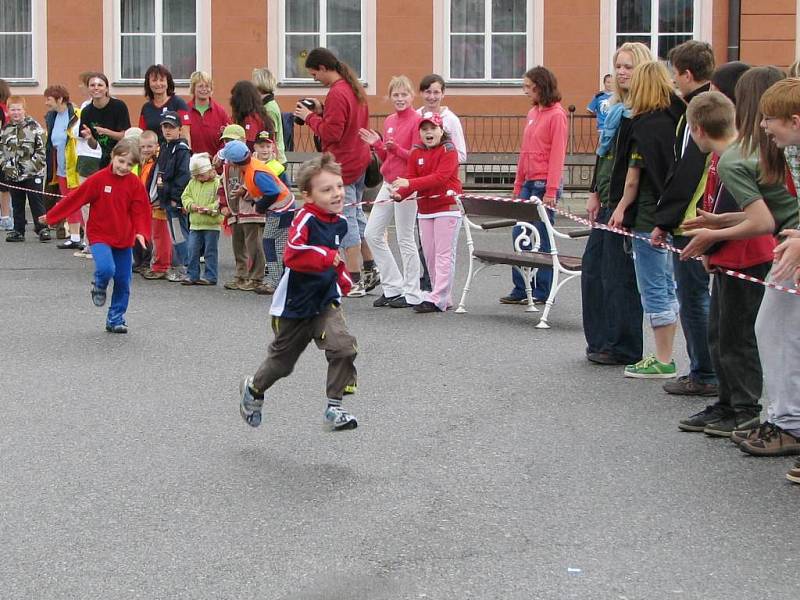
column 481, row 47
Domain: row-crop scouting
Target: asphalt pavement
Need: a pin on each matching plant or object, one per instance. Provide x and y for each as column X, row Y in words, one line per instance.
column 491, row 459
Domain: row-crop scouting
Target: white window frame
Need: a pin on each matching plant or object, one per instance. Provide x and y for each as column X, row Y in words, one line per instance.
column 533, row 33
column 323, row 18
column 112, row 50
column 34, row 83
column 655, row 34
column 703, row 26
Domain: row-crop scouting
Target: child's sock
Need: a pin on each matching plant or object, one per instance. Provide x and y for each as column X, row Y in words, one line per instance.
column 75, row 237
column 356, row 277
column 333, row 402
column 369, row 265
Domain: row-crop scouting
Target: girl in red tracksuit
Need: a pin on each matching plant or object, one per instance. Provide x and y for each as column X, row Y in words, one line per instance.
column 433, row 175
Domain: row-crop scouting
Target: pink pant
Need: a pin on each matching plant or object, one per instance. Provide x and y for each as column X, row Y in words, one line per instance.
column 439, row 237
column 75, row 218
column 162, row 246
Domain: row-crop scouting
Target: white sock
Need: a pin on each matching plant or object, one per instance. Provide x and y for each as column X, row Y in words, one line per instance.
column 75, row 237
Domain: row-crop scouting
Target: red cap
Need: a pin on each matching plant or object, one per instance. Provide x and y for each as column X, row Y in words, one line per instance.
column 431, row 117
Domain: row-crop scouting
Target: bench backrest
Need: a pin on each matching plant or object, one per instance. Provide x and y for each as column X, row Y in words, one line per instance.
column 519, row 211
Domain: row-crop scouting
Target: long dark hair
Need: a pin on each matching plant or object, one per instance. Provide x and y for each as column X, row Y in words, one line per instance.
column 546, row 85
column 158, row 71
column 322, row 57
column 246, row 101
column 752, row 138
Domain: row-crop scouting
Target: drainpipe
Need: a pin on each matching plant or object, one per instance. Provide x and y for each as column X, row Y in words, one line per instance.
column 734, row 27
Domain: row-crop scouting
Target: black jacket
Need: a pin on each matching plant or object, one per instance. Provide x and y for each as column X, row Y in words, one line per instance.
column 685, row 175
column 173, row 169
column 653, row 134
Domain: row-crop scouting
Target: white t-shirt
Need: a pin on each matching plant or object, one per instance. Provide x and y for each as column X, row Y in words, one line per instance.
column 82, row 147
column 452, row 127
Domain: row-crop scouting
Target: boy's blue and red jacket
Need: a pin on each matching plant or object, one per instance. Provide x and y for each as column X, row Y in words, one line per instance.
column 310, row 282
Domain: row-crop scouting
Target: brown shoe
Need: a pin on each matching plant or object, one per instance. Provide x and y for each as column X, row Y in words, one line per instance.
column 154, row 274
column 740, row 435
column 686, row 386
column 247, row 285
column 264, row 289
column 233, row 284
column 794, row 473
column 771, row 441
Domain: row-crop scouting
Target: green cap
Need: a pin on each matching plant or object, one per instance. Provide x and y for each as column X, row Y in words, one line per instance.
column 233, row 132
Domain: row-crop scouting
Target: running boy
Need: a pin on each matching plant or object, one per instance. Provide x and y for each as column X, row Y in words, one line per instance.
column 119, row 217
column 307, row 303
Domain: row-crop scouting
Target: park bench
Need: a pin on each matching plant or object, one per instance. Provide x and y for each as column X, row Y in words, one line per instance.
column 526, row 263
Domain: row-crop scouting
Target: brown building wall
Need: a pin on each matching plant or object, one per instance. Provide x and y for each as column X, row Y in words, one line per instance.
column 768, row 31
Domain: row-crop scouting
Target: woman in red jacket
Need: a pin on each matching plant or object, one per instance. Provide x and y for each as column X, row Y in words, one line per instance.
column 119, row 217
column 433, row 175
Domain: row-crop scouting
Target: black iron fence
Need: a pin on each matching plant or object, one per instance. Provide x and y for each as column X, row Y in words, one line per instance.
column 489, row 133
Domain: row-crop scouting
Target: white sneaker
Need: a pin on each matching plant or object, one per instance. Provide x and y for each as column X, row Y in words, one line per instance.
column 358, row 290
column 177, row 275
column 338, row 419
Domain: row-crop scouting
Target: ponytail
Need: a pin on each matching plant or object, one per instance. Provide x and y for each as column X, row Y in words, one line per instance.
column 322, row 57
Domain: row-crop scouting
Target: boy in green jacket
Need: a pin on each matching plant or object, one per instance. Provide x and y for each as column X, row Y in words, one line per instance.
column 200, row 201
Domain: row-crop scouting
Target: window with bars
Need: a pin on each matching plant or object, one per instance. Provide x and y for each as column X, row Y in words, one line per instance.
column 488, row 40
column 16, row 40
column 157, row 32
column 334, row 24
column 659, row 24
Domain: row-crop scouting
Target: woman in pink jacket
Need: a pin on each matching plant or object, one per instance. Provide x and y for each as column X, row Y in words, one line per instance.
column 541, row 162
column 400, row 133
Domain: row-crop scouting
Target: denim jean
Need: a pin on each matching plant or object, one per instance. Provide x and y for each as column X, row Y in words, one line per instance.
column 543, row 279
column 117, row 264
column 694, row 299
column 356, row 219
column 612, row 310
column 203, row 242
column 179, row 232
column 655, row 281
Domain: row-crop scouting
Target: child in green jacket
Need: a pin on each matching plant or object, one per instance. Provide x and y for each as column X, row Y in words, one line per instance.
column 200, row 201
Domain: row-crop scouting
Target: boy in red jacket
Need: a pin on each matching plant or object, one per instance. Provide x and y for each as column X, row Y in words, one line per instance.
column 307, row 304
column 119, row 217
column 433, row 174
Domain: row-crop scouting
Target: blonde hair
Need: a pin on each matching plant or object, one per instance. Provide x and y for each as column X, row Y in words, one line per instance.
column 639, row 54
column 651, row 88
column 312, row 168
column 150, row 135
column 714, row 113
column 400, row 81
column 199, row 77
column 264, row 80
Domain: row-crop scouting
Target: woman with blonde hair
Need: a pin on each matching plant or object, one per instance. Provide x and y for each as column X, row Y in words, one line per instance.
column 400, row 133
column 646, row 155
column 266, row 83
column 207, row 117
column 612, row 311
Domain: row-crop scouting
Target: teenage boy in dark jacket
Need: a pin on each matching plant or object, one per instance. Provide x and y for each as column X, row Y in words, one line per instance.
column 693, row 62
column 173, row 176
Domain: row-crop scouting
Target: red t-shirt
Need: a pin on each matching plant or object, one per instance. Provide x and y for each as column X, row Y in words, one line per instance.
column 206, row 128
column 338, row 129
column 120, row 208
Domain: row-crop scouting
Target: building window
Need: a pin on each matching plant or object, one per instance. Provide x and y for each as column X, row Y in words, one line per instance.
column 488, row 39
column 334, row 24
column 16, row 40
column 157, row 32
column 659, row 24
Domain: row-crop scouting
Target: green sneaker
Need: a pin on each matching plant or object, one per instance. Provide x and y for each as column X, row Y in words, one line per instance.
column 651, row 368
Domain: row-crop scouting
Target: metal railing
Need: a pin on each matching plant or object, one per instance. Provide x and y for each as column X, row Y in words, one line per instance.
column 489, row 133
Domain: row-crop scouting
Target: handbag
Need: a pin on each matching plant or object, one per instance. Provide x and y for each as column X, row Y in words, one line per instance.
column 372, row 176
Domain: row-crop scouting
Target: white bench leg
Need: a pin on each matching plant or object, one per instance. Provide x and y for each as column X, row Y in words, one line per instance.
column 526, row 275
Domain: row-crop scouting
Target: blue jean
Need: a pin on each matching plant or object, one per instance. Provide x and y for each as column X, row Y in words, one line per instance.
column 655, row 281
column 694, row 299
column 179, row 233
column 612, row 310
column 203, row 242
column 543, row 278
column 117, row 264
column 356, row 219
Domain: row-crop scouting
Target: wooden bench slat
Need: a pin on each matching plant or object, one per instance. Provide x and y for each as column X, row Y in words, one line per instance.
column 527, row 259
column 499, row 223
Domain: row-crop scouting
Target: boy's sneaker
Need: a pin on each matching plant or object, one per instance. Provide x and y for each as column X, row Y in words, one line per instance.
column 699, row 421
column 264, row 289
column 15, row 236
column 44, row 235
column 772, row 442
column 152, row 275
column 740, row 435
column 794, row 473
column 651, row 368
column 247, row 285
column 686, row 386
column 233, row 284
column 176, row 276
column 338, row 419
column 98, row 296
column 117, row 328
column 371, row 278
column 249, row 405
column 358, row 290
column 730, row 423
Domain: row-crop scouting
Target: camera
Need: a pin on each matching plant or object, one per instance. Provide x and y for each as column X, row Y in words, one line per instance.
column 309, row 104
